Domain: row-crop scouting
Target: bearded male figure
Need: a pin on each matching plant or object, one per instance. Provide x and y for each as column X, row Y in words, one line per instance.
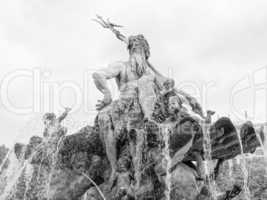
column 139, row 83
column 135, row 80
column 131, row 74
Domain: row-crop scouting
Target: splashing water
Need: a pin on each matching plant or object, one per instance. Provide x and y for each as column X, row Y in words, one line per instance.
column 165, row 130
column 40, row 167
column 12, row 174
column 15, row 169
column 243, row 165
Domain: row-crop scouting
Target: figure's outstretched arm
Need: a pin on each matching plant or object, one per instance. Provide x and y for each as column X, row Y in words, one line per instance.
column 193, row 102
column 100, row 79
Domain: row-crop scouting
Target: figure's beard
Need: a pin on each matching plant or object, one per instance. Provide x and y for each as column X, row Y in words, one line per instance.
column 138, row 63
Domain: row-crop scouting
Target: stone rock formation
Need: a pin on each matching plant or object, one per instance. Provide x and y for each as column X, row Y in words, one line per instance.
column 70, row 167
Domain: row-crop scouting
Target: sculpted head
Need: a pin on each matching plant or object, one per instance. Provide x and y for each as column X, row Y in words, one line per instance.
column 139, row 53
column 49, row 119
column 138, row 44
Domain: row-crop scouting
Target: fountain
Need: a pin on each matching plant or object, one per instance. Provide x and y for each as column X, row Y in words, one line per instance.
column 145, row 144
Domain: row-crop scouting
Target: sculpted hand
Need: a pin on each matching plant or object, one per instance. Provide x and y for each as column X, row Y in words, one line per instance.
column 196, row 106
column 103, row 103
column 67, row 109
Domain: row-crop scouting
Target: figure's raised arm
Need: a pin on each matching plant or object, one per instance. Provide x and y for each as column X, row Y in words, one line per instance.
column 100, row 78
column 64, row 114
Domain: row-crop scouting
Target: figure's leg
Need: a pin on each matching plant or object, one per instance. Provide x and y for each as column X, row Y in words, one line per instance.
column 137, row 160
column 110, row 143
column 111, row 150
column 147, row 95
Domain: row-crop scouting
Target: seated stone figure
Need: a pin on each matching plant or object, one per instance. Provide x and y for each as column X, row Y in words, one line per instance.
column 138, row 86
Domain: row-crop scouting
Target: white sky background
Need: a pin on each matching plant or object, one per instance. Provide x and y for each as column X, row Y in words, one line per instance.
column 195, row 42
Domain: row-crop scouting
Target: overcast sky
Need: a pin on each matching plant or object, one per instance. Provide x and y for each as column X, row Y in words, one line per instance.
column 216, row 50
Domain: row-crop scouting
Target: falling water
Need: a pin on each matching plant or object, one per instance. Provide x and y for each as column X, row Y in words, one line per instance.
column 244, row 169
column 19, row 167
column 260, row 140
column 265, row 144
column 28, row 179
column 137, row 159
column 208, row 164
column 4, row 161
column 230, row 170
column 165, row 130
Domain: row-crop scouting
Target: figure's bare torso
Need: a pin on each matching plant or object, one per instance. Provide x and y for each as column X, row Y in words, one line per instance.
column 126, row 75
column 127, row 80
